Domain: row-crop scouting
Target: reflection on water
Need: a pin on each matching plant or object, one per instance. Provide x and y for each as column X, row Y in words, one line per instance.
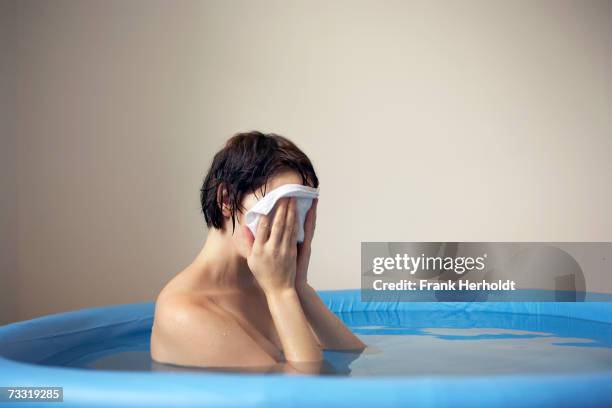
column 416, row 343
column 335, row 363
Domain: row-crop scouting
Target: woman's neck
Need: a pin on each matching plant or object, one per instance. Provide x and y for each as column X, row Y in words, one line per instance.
column 220, row 266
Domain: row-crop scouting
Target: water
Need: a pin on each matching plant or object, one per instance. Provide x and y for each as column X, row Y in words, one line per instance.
column 417, row 344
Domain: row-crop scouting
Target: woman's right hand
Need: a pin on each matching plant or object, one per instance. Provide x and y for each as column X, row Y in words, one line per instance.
column 272, row 257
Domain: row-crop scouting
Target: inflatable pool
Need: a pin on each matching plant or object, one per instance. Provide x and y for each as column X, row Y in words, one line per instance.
column 518, row 354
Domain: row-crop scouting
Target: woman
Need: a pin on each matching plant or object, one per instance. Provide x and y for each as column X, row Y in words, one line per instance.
column 245, row 300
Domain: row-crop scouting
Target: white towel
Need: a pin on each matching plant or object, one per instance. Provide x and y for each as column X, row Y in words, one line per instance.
column 265, row 205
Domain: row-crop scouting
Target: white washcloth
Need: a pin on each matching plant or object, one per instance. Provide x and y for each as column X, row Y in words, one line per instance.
column 265, row 205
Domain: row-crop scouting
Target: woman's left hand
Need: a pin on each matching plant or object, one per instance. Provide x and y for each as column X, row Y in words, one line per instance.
column 304, row 249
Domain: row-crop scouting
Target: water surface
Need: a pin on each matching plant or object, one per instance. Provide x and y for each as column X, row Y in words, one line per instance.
column 416, row 344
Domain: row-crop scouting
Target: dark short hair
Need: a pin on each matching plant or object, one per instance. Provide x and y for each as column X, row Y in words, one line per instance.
column 244, row 165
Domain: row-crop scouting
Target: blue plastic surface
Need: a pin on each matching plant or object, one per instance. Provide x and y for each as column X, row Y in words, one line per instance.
column 25, row 344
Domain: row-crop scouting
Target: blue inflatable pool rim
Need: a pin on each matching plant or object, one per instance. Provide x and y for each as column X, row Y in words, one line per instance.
column 24, row 344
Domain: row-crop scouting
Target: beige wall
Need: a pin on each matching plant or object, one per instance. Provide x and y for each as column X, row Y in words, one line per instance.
column 442, row 121
column 8, row 164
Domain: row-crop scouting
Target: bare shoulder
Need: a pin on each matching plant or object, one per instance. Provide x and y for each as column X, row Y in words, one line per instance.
column 190, row 330
column 184, row 313
column 177, row 310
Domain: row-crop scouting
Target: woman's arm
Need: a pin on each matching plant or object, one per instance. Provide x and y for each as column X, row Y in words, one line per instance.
column 272, row 260
column 330, row 330
column 299, row 344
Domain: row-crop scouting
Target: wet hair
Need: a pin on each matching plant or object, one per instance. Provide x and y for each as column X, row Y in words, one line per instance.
column 244, row 165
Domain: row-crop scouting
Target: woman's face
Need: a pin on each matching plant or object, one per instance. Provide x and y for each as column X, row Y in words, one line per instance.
column 240, row 234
